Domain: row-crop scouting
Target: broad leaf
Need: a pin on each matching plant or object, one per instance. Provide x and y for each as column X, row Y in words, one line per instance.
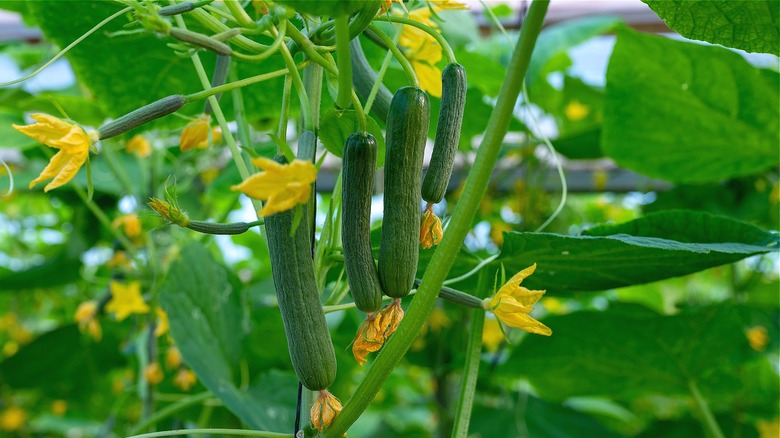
column 629, row 351
column 208, row 325
column 336, row 126
column 666, row 244
column 748, row 25
column 688, row 113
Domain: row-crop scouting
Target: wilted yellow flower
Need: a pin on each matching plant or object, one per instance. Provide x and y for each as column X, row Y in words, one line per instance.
column 86, row 317
column 69, row 138
column 12, row 418
column 184, row 379
column 282, row 186
column 492, row 335
column 153, row 373
column 369, row 338
column 139, row 146
column 575, row 111
column 126, row 300
column 324, row 410
column 758, row 338
column 512, row 304
column 173, row 358
column 430, row 229
column 162, row 323
column 59, row 407
column 130, row 224
column 390, row 317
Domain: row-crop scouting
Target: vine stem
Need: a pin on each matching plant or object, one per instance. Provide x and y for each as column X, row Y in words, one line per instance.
column 308, row 122
column 405, row 64
column 706, row 417
column 200, row 95
column 444, row 257
column 239, row 432
column 471, row 370
column 344, row 97
column 308, row 48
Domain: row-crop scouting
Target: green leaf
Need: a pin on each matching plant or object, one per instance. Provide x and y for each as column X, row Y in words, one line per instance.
column 664, row 245
column 688, row 113
column 208, row 324
column 748, row 25
column 629, row 351
column 337, row 125
column 10, row 138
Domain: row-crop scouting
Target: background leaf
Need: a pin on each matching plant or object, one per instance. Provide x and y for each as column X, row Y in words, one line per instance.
column 748, row 25
column 337, row 125
column 686, row 112
column 611, row 258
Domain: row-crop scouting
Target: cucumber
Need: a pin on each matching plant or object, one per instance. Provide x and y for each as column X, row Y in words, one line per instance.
column 357, row 184
column 445, row 145
column 407, row 130
column 308, row 339
column 364, row 78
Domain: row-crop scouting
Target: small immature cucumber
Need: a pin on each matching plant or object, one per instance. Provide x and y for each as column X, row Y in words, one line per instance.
column 308, row 339
column 445, row 145
column 134, row 119
column 407, row 130
column 200, row 40
column 357, row 184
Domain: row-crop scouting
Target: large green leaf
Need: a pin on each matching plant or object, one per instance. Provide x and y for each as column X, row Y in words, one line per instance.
column 664, row 245
column 688, row 113
column 125, row 72
column 629, row 351
column 207, row 322
column 748, row 25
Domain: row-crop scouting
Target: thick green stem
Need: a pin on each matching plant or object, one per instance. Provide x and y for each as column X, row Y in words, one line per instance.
column 444, row 257
column 239, row 13
column 704, row 414
column 344, row 97
column 430, row 31
column 471, row 370
column 405, row 64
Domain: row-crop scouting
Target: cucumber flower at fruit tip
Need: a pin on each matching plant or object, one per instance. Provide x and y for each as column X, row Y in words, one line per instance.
column 430, row 229
column 281, row 186
column 324, row 410
column 369, row 338
column 71, row 140
column 513, row 303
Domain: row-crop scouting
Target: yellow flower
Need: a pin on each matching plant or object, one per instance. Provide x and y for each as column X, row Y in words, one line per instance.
column 153, row 373
column 184, row 379
column 282, row 186
column 162, row 323
column 492, row 336
column 768, row 429
column 130, row 224
column 324, row 410
column 448, row 4
column 512, row 304
column 390, row 317
column 139, row 146
column 86, row 317
column 411, row 36
column 196, row 134
column 69, row 138
column 119, row 259
column 575, row 111
column 758, row 338
column 59, row 407
column 12, row 418
column 173, row 357
column 424, row 54
column 430, row 229
column 497, row 230
column 369, row 338
column 126, row 300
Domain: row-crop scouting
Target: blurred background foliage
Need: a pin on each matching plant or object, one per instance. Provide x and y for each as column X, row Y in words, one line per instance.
column 661, row 270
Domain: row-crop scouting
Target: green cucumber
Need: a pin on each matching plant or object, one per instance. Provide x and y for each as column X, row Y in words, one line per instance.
column 136, row 118
column 445, row 145
column 357, row 184
column 364, row 78
column 407, row 131
column 308, row 339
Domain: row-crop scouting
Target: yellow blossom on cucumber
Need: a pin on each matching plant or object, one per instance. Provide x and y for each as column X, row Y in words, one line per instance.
column 126, row 300
column 390, row 316
column 324, row 410
column 412, row 36
column 430, row 229
column 369, row 338
column 513, row 303
column 71, row 140
column 424, row 54
column 130, row 224
column 153, row 373
column 173, row 357
column 86, row 317
column 139, row 146
column 282, row 186
column 492, row 336
column 184, row 379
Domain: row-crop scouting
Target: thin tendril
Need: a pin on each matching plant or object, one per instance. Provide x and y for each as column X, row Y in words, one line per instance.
column 10, row 180
column 70, row 46
column 471, row 272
